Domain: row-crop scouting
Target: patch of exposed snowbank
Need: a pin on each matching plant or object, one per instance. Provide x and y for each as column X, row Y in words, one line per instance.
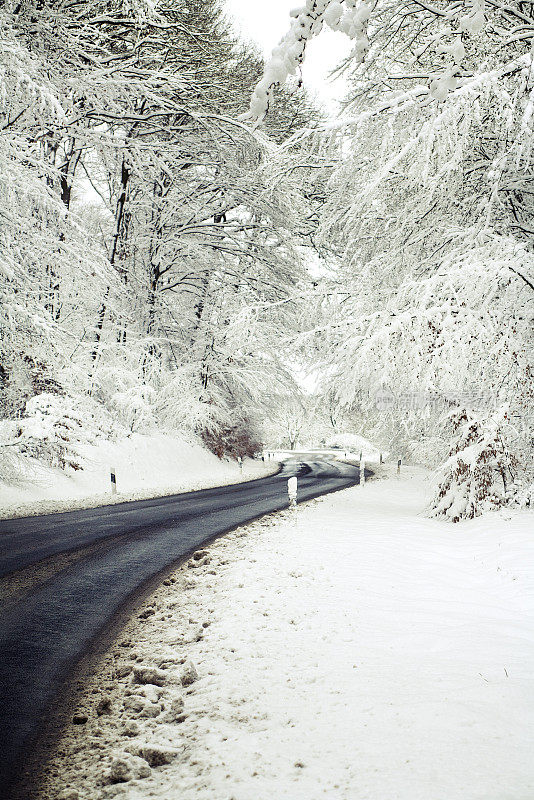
column 360, row 652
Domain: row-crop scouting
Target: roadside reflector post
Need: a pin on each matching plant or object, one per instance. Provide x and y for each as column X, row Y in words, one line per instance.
column 399, row 462
column 381, row 458
column 240, row 462
column 362, row 472
column 113, row 481
column 292, row 491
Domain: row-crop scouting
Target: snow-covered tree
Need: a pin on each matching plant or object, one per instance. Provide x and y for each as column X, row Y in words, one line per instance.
column 430, row 214
column 149, row 237
column 480, row 467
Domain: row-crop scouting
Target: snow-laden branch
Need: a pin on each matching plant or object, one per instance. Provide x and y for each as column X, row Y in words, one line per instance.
column 347, row 16
column 447, row 41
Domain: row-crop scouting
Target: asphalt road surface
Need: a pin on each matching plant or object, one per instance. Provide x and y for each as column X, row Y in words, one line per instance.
column 117, row 549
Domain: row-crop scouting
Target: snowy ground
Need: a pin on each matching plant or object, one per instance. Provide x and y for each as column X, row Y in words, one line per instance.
column 145, row 466
column 362, row 652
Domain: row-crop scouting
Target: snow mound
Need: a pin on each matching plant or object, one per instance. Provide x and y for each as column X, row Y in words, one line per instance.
column 354, row 443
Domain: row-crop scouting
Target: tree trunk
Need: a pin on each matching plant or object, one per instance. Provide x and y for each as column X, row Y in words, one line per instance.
column 121, row 230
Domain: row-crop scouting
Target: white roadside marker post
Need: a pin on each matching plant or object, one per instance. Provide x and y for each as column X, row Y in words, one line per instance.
column 399, row 462
column 113, row 481
column 362, row 472
column 381, row 458
column 240, row 462
column 292, row 491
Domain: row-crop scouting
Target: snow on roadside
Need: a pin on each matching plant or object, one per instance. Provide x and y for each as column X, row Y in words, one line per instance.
column 356, row 444
column 361, row 652
column 146, row 466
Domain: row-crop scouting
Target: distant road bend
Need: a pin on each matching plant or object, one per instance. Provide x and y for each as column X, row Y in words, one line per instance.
column 44, row 633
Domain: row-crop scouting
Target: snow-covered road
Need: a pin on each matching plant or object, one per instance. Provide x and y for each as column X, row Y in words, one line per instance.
column 360, row 652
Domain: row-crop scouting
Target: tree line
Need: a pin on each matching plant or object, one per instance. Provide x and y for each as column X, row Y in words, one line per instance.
column 150, row 241
column 424, row 328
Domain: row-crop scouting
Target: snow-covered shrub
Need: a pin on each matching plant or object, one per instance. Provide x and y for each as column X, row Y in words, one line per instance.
column 180, row 405
column 53, row 428
column 135, row 407
column 480, row 466
column 232, row 440
column 522, row 495
column 48, row 431
column 9, row 455
column 21, row 377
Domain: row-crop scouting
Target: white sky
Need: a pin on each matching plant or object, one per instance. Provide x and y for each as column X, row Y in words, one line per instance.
column 266, row 22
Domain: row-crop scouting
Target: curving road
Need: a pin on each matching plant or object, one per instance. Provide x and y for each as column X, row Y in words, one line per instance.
column 115, row 550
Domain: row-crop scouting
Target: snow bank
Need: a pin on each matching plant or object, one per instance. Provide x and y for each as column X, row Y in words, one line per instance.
column 355, row 444
column 358, row 651
column 145, row 466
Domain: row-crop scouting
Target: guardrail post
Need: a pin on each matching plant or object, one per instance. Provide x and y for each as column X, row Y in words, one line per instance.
column 292, row 485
